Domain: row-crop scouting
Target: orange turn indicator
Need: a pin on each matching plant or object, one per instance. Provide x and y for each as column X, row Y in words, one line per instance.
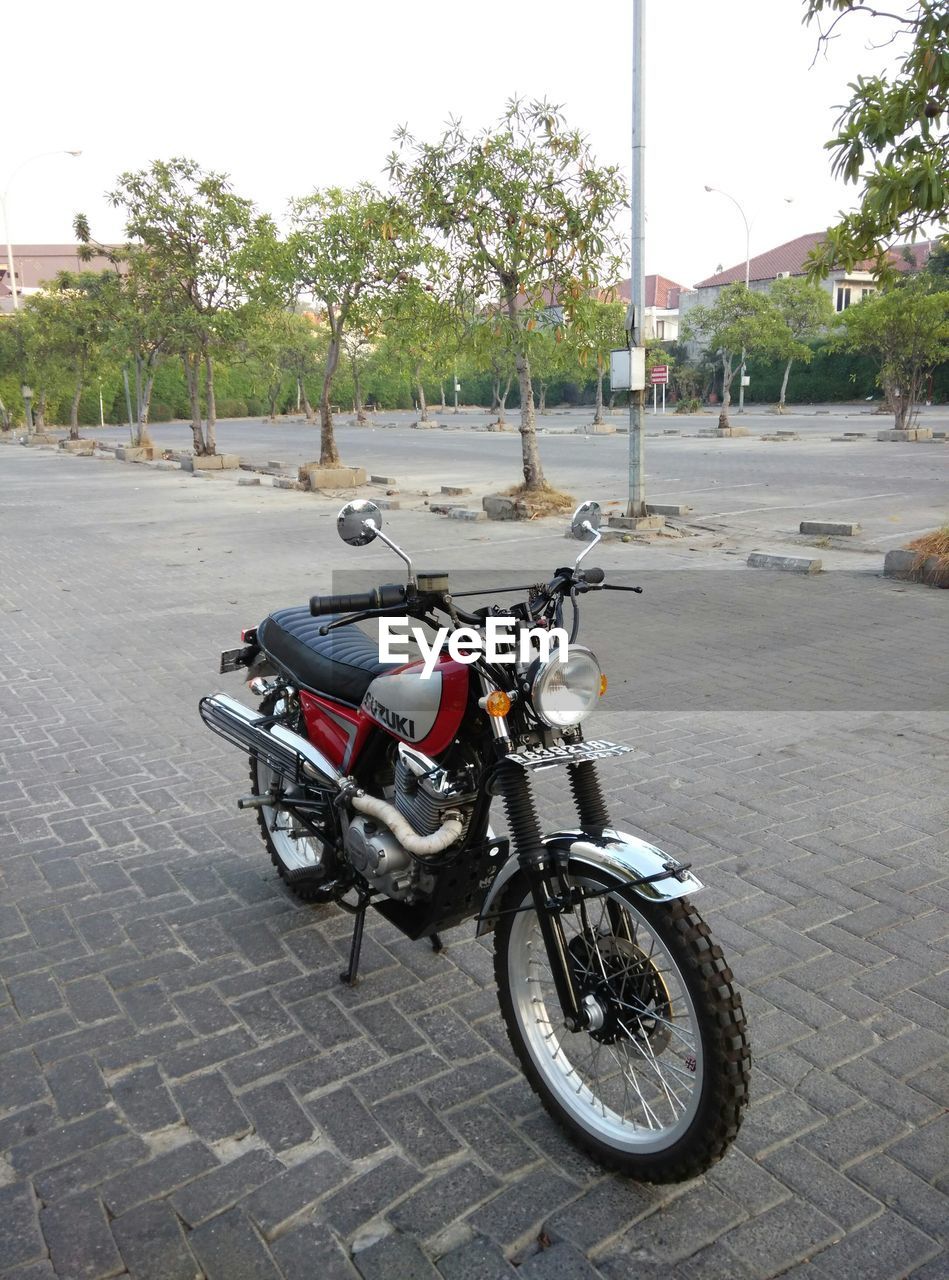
column 497, row 703
column 602, row 685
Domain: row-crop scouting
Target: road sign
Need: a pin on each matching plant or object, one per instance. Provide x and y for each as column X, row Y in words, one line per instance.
column 659, row 374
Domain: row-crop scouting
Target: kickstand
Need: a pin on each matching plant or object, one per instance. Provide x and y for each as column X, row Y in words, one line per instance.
column 437, row 944
column 351, row 974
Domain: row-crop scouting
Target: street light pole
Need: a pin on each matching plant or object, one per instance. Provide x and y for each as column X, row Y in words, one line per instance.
column 741, row 387
column 6, row 217
column 636, row 506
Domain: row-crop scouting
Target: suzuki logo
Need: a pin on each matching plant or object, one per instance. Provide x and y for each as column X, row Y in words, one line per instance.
column 402, row 725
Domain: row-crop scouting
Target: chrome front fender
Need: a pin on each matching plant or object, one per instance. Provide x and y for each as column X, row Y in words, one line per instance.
column 622, row 855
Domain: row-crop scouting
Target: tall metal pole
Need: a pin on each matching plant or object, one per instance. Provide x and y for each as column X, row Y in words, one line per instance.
column 10, row 272
column 636, row 505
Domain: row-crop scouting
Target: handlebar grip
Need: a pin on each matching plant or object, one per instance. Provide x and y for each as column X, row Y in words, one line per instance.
column 378, row 598
column 594, row 576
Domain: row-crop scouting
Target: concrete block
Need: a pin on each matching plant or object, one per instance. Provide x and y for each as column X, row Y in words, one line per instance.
column 137, row 453
column 466, row 513
column 425, row 426
column 781, row 437
column 386, row 480
column 245, row 480
column 283, row 482
column 162, row 465
column 636, row 523
column 907, row 566
column 454, row 490
column 831, row 528
column 387, row 504
column 665, row 509
column 793, row 564
column 498, row 507
column 275, row 462
column 913, row 433
column 596, row 429
column 334, row 477
column 81, row 448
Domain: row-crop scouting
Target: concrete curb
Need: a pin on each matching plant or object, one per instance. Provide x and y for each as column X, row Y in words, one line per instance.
column 830, row 528
column 791, row 564
column 906, row 566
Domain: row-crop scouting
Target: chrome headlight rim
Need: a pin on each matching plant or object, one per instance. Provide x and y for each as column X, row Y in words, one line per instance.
column 541, row 675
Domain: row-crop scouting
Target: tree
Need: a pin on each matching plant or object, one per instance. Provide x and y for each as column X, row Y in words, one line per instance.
column 907, row 330
column 806, row 310
column 550, row 356
column 892, row 137
column 526, row 214
column 738, row 319
column 348, row 249
column 420, row 332
column 70, row 325
column 488, row 346
column 200, row 242
column 596, row 329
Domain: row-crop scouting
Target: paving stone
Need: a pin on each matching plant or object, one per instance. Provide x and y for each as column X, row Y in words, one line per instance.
column 416, row 1129
column 91, row 1000
column 77, row 1086
column 91, row 1168
column 884, row 1249
column 152, row 1243
column 479, row 1259
column 906, row 1193
column 209, row 1108
column 277, row 1116
column 312, row 1251
column 786, row 1234
column 159, row 1177
column 861, row 1132
column 602, row 1212
column 509, row 1218
column 820, row 1184
column 205, row 1011
column 143, row 1097
column 20, row 1238
column 369, row 1195
column 56, row 1145
column 34, row 993
column 680, row 1228
column 924, row 1151
column 394, row 1257
column 560, row 1262
column 348, row 1124
column 288, row 1193
column 482, row 1127
column 224, row 1185
column 80, row 1242
column 228, row 1248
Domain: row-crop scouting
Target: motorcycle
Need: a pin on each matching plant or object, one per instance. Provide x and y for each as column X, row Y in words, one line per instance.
column 372, row 784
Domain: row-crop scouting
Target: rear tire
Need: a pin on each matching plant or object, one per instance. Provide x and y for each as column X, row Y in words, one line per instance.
column 657, row 1091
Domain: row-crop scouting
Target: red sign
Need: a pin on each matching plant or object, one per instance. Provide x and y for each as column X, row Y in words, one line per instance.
column 659, row 373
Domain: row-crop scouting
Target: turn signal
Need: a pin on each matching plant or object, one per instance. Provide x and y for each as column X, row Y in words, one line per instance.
column 602, row 685
column 497, row 703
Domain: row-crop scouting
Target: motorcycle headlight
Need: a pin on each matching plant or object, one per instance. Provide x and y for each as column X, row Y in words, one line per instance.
column 564, row 693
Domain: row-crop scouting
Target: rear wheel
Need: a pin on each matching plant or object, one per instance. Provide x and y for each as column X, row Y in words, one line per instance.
column 656, row 1087
column 300, row 857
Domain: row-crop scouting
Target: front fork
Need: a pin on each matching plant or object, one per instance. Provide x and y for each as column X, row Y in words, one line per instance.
column 546, row 870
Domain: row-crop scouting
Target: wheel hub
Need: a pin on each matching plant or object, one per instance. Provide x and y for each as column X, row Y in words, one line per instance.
column 621, row 991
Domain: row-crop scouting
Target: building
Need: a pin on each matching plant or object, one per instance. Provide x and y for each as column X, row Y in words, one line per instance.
column 845, row 287
column 36, row 263
column 661, row 321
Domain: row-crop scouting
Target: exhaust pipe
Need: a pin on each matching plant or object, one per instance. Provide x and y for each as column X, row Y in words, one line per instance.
column 285, row 752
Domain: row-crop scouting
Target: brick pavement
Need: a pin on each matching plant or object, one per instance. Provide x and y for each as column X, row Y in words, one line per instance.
column 185, row 1090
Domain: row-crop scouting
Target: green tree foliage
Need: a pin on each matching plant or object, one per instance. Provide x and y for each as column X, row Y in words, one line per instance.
column 349, row 249
column 422, row 333
column 596, row 328
column 907, row 330
column 892, row 135
column 806, row 311
column 527, row 216
column 738, row 320
column 188, row 230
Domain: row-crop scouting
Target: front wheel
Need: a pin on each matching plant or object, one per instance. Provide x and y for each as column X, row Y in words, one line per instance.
column 656, row 1087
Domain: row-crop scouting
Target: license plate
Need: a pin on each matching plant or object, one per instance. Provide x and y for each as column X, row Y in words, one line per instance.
column 232, row 660
column 566, row 753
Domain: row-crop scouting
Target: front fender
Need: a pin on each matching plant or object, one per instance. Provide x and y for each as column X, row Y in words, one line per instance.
column 624, row 856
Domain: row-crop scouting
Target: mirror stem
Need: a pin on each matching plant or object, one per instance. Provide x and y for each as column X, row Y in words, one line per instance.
column 397, row 549
column 597, row 537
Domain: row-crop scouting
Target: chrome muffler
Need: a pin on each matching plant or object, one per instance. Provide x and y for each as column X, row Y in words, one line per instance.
column 284, row 752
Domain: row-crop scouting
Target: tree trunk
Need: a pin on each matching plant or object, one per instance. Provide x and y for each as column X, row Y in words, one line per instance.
column 441, row 387
column 307, row 407
column 727, row 374
column 422, row 404
column 784, row 385
column 542, row 398
column 192, row 364
column 598, row 413
column 495, row 393
column 147, row 404
column 74, row 412
column 39, row 412
column 530, row 454
column 210, row 404
column 329, row 454
column 358, row 407
column 502, row 400
column 4, row 416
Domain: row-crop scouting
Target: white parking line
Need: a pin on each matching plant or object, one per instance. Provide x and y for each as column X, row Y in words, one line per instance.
column 713, row 488
column 803, row 506
column 906, row 533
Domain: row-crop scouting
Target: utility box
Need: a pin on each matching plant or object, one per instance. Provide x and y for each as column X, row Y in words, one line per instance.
column 628, row 369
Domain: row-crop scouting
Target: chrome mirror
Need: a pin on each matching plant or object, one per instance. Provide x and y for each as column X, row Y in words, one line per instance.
column 585, row 526
column 359, row 522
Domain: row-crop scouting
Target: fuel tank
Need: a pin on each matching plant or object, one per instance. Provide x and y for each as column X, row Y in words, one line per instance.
column 427, row 712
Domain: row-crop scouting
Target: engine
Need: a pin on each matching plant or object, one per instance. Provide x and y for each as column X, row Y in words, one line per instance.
column 424, row 792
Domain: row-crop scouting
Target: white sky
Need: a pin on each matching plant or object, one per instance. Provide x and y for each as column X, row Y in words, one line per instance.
column 292, row 94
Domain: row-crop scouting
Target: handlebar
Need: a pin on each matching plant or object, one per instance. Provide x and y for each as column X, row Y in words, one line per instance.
column 386, row 597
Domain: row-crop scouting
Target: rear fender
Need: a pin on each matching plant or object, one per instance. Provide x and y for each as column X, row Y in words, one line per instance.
column 624, row 856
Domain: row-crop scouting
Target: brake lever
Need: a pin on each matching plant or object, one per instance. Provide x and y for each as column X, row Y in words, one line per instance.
column 613, row 586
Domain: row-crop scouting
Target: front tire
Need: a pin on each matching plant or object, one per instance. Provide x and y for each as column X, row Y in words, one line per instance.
column 657, row 1090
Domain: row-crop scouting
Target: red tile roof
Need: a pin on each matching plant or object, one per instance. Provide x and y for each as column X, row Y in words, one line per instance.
column 790, row 258
column 661, row 292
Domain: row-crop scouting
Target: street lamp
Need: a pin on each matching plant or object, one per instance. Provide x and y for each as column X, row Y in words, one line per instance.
column 6, row 220
column 744, row 218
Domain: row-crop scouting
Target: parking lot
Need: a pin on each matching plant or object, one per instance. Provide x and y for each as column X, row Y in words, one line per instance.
column 186, row 1088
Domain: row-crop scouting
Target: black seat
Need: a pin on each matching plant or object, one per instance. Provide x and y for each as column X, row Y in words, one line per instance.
column 342, row 664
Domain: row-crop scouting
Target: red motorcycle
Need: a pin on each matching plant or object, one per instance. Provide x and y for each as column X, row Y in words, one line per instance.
column 373, row 783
